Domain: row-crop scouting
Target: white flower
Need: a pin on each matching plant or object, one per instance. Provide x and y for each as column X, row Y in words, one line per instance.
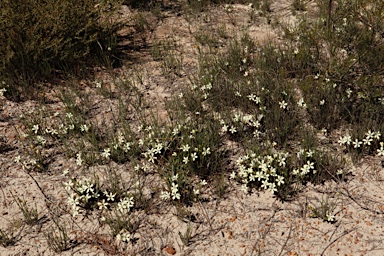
column 357, row 143
column 196, row 191
column 349, row 92
column 174, row 187
column 35, row 128
column 2, row 91
column 102, row 204
column 367, row 141
column 110, row 196
column 185, row 148
column 165, row 195
column 98, row 84
column 125, row 204
column 175, row 177
column 282, row 161
column 107, row 153
column 203, row 183
column 175, row 196
column 279, row 180
column 123, row 236
column 369, row 134
column 272, row 187
column 233, row 129
column 68, row 185
column 185, row 160
column 330, row 217
column 322, row 102
column 254, row 98
column 65, row 172
column 301, row 103
column 84, row 128
column 310, row 165
column 126, row 237
column 233, row 175
column 305, row 169
column 244, row 188
column 238, row 94
column 206, row 151
column 224, row 129
column 345, row 140
column 127, row 147
column 69, row 115
column 283, row 104
column 380, row 152
column 79, row 161
column 17, row 159
column 193, row 156
column 265, row 184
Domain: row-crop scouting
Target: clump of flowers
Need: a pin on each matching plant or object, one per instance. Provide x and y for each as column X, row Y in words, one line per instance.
column 368, row 144
column 264, row 172
column 277, row 170
column 87, row 194
column 241, row 124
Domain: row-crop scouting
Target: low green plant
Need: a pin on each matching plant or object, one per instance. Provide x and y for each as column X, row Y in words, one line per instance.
column 31, row 215
column 324, row 211
column 6, row 239
column 57, row 238
column 122, row 223
column 187, row 236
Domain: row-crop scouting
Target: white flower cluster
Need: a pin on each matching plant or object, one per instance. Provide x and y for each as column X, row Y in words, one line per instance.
column 152, row 153
column 122, row 144
column 174, row 193
column 369, row 138
column 241, row 122
column 205, row 89
column 265, row 171
column 29, row 164
column 86, row 193
column 262, row 170
column 125, row 204
column 123, row 236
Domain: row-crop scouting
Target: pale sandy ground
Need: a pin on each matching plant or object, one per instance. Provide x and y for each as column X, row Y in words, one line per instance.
column 237, row 224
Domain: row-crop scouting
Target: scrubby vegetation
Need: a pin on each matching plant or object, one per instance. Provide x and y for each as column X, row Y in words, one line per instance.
column 254, row 114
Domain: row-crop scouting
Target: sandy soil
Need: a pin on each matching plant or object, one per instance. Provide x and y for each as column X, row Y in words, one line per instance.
column 237, row 224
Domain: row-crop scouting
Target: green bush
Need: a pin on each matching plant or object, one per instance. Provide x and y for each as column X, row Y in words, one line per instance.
column 40, row 37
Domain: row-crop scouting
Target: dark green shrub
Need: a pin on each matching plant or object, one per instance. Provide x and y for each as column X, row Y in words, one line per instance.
column 39, row 37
